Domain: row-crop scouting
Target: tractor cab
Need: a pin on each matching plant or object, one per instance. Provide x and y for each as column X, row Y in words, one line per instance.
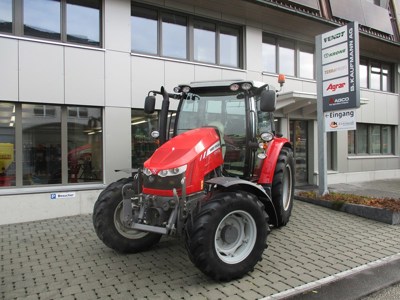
column 241, row 112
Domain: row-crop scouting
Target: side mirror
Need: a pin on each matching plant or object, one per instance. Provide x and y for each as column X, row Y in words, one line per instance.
column 267, row 100
column 149, row 104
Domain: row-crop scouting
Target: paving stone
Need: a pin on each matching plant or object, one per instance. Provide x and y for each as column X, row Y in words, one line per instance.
column 63, row 257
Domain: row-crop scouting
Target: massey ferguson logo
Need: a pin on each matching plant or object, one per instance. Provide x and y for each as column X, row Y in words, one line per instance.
column 334, row 87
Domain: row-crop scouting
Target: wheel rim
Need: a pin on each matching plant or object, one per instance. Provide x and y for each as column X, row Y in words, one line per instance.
column 287, row 187
column 235, row 237
column 122, row 229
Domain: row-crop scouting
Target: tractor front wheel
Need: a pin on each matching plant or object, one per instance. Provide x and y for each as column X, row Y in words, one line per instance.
column 226, row 239
column 107, row 221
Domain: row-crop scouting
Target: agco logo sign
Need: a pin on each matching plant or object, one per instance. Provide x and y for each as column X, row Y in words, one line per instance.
column 336, row 101
column 333, row 87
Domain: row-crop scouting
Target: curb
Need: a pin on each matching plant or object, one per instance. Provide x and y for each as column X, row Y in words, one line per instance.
column 352, row 284
column 369, row 212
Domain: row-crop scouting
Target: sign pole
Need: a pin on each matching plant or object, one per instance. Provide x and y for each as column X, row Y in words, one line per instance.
column 322, row 146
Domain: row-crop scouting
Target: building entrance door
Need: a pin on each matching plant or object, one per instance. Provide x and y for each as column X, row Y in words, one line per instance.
column 298, row 137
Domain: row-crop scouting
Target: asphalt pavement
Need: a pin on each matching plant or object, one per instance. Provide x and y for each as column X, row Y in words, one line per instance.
column 316, row 254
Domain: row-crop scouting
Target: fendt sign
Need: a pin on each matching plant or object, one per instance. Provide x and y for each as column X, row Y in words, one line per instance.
column 339, row 63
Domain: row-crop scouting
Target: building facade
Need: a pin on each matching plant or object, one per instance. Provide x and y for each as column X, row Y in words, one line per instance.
column 74, row 76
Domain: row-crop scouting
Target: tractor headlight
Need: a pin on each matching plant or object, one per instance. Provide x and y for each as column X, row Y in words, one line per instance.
column 173, row 171
column 267, row 136
column 146, row 172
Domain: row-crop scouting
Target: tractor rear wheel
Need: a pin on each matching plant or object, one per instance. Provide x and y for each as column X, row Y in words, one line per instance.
column 283, row 186
column 226, row 239
column 107, row 221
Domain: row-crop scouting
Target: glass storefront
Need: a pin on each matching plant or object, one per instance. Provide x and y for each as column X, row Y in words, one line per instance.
column 7, row 144
column 298, row 137
column 59, row 144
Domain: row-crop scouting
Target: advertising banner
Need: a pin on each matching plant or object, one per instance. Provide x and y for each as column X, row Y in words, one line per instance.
column 339, row 64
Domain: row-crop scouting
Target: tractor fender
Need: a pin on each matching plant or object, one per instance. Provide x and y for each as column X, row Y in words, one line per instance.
column 269, row 165
column 233, row 183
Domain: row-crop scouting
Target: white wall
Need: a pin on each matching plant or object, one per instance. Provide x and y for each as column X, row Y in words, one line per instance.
column 32, row 207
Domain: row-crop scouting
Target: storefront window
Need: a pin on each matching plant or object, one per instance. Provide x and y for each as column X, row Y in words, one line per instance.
column 6, row 10
column 41, row 142
column 362, row 139
column 59, row 144
column 85, row 139
column 143, row 145
column 83, row 22
column 375, row 140
column 7, row 144
column 42, row 18
column 371, row 139
column 387, row 147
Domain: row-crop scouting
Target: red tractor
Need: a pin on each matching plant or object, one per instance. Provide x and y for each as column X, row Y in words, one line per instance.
column 221, row 181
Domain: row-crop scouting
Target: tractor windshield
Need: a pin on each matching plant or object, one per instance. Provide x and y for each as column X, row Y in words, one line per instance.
column 225, row 110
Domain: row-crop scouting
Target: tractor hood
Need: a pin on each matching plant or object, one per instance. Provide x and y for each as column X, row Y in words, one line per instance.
column 183, row 149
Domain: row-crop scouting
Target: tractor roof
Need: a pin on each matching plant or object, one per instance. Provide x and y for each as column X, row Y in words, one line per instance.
column 214, row 83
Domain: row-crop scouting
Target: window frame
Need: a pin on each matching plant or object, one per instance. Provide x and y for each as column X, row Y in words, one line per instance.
column 381, row 65
column 18, row 25
column 368, row 127
column 65, row 138
column 190, row 39
column 299, row 47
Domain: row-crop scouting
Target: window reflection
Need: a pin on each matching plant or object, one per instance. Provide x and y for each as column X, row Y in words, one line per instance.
column 306, row 62
column 229, row 45
column 42, row 18
column 144, row 30
column 269, row 54
column 362, row 139
column 7, row 144
column 204, row 42
column 85, row 139
column 6, row 15
column 286, row 58
column 363, row 74
column 375, row 139
column 83, row 22
column 174, row 36
column 41, row 142
column 143, row 145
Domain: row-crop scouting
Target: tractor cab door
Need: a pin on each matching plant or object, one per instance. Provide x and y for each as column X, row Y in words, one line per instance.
column 235, row 138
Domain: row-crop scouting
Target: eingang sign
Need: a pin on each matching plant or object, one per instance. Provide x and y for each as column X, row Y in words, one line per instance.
column 339, row 63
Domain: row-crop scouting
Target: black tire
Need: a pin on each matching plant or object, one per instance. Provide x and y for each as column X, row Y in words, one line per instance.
column 108, row 225
column 283, row 186
column 218, row 226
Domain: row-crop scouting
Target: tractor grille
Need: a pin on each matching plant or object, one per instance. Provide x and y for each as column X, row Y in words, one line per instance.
column 163, row 183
